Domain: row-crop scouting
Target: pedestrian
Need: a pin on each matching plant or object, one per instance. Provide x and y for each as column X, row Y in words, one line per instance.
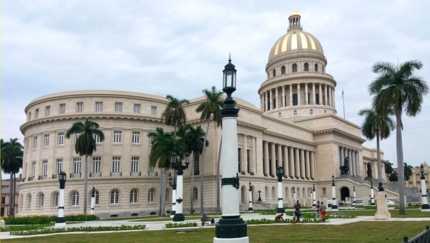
column 318, row 209
column 323, row 211
column 297, row 212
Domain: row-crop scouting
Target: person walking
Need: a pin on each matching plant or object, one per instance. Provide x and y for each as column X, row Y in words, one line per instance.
column 318, row 209
column 323, row 211
column 297, row 212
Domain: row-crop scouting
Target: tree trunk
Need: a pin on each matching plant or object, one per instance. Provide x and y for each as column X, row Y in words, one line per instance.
column 85, row 183
column 10, row 194
column 161, row 200
column 192, row 186
column 202, row 168
column 378, row 157
column 218, row 184
column 163, row 192
column 400, row 165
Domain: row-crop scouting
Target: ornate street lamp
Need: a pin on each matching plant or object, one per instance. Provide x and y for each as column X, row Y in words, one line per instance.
column 179, row 167
column 172, row 183
column 372, row 194
column 424, row 200
column 314, row 196
column 61, row 221
column 250, row 198
column 259, row 196
column 354, row 202
column 279, row 174
column 334, row 206
column 231, row 227
column 93, row 200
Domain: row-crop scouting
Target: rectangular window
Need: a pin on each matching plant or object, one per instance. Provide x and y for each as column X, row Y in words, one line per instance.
column 96, row 195
column 80, row 107
column 134, row 164
column 62, row 108
column 47, row 110
column 61, row 138
column 151, row 140
column 99, row 106
column 135, row 137
column 44, row 168
column 33, row 172
column 46, row 140
column 136, row 108
column 118, row 106
column 96, row 164
column 117, row 137
column 76, row 165
column 295, row 101
column 35, row 142
column 115, row 164
column 96, row 138
column 3, row 201
column 36, row 113
column 151, row 170
column 59, row 166
column 153, row 110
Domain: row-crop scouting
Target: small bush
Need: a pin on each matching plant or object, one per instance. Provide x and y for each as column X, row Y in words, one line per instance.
column 180, row 225
column 49, row 230
column 46, row 219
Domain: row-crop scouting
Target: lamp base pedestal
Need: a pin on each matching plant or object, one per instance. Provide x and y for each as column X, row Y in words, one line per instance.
column 178, row 217
column 425, row 208
column 231, row 240
column 172, row 214
column 60, row 223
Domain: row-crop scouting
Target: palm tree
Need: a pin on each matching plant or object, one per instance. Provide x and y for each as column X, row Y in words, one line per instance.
column 211, row 107
column 85, row 145
column 397, row 89
column 376, row 124
column 161, row 151
column 408, row 171
column 174, row 114
column 11, row 163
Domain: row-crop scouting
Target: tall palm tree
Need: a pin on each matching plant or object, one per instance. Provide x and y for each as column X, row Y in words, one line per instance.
column 174, row 114
column 161, row 151
column 376, row 125
column 210, row 109
column 85, row 145
column 397, row 89
column 408, row 171
column 11, row 163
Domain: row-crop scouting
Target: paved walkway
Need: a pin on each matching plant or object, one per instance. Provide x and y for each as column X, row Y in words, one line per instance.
column 160, row 225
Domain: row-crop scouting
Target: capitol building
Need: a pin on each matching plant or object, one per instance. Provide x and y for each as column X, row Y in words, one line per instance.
column 296, row 127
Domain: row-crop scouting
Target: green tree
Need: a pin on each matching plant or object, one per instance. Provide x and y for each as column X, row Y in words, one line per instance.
column 393, row 177
column 397, row 89
column 388, row 167
column 376, row 125
column 85, row 145
column 174, row 114
column 210, row 109
column 161, row 151
column 408, row 171
column 11, row 153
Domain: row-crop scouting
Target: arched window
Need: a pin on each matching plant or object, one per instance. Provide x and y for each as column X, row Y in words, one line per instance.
column 41, row 199
column 274, row 72
column 266, row 192
column 97, row 196
column 114, row 197
column 316, row 67
column 75, row 198
column 55, row 199
column 133, row 196
column 286, row 192
column 273, row 193
column 306, row 67
column 283, row 70
column 304, row 192
column 294, row 68
column 195, row 194
column 29, row 200
column 298, row 192
column 311, row 112
column 151, row 194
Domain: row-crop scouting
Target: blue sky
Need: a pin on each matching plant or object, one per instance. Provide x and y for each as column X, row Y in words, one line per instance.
column 180, row 47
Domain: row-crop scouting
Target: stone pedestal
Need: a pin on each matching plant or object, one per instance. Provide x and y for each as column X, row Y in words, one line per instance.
column 382, row 212
column 2, row 223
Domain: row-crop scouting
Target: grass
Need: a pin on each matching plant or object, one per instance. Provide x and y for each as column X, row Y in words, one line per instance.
column 410, row 213
column 371, row 232
column 187, row 217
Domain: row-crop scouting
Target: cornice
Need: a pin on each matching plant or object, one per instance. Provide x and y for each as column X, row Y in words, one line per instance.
column 289, row 138
column 340, row 133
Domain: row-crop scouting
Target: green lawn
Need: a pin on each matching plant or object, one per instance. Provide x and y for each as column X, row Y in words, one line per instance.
column 356, row 232
column 410, row 213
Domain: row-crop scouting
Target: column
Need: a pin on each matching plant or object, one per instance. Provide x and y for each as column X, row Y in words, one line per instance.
column 291, row 94
column 308, row 171
column 265, row 102
column 253, row 160
column 280, row 163
column 270, row 98
column 293, row 174
column 262, row 102
column 320, row 94
column 276, row 98
column 306, row 94
column 325, row 96
column 245, row 155
column 297, row 157
column 334, row 98
column 313, row 93
column 349, row 158
column 298, row 94
column 302, row 164
column 313, row 165
column 286, row 162
column 356, row 163
column 273, row 158
column 328, row 94
column 266, row 158
column 283, row 96
column 340, row 156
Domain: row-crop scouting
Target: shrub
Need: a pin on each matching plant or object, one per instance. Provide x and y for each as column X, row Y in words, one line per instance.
column 46, row 219
column 49, row 230
column 180, row 225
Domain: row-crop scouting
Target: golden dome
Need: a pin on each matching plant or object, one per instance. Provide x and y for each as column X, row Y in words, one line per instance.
column 294, row 13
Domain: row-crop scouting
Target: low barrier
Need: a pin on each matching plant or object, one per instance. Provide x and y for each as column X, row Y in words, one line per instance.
column 423, row 237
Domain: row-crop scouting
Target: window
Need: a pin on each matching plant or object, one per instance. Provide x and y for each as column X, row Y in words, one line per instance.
column 97, row 138
column 133, row 196
column 46, row 140
column 114, row 197
column 136, row 108
column 47, row 110
column 3, row 200
column 295, row 99
column 79, row 107
column 316, row 67
column 59, row 165
column 153, row 110
column 115, row 164
column 195, row 194
column 317, row 99
column 33, row 172
column 56, row 199
column 134, row 164
column 294, row 68
column 97, row 196
column 44, row 168
column 75, row 198
column 151, row 140
column 118, row 106
column 274, row 72
column 41, row 199
column 135, row 137
column 77, row 136
column 61, row 138
column 62, row 108
column 99, row 106
column 36, row 113
column 117, row 137
column 151, row 195
column 77, row 166
column 306, row 67
column 283, row 70
column 96, row 164
column 151, row 170
column 35, row 142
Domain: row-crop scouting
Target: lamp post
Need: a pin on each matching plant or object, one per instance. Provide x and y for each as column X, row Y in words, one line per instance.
column 250, row 198
column 372, row 194
column 259, row 196
column 61, row 221
column 172, row 183
column 279, row 173
column 334, row 206
column 93, row 200
column 231, row 227
column 355, row 198
column 179, row 167
column 294, row 195
column 424, row 201
column 314, row 196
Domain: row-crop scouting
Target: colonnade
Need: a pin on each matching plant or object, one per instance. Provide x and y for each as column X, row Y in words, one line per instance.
column 297, row 94
column 247, row 154
column 298, row 163
column 352, row 157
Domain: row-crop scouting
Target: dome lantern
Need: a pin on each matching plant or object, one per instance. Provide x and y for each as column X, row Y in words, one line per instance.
column 294, row 20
